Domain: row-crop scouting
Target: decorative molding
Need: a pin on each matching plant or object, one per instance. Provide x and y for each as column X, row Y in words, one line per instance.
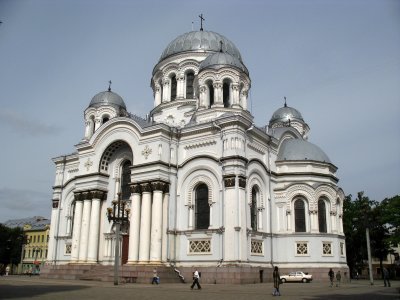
column 55, row 203
column 158, row 186
column 146, row 151
column 146, row 187
column 200, row 144
column 135, row 188
column 229, row 181
column 88, row 164
column 242, row 181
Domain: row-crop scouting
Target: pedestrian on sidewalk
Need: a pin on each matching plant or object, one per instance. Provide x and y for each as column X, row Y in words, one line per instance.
column 156, row 279
column 386, row 276
column 338, row 278
column 277, row 281
column 331, row 275
column 196, row 277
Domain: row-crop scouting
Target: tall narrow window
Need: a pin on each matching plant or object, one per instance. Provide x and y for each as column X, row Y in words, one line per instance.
column 210, row 93
column 225, row 91
column 202, row 207
column 321, row 215
column 253, row 209
column 105, row 119
column 125, row 180
column 189, row 85
column 299, row 216
column 173, row 88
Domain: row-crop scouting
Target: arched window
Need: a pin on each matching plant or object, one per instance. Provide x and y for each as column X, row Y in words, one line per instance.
column 210, row 92
column 322, row 215
column 173, row 88
column 189, row 85
column 92, row 125
column 105, row 119
column 226, row 92
column 125, row 180
column 253, row 209
column 299, row 216
column 202, row 211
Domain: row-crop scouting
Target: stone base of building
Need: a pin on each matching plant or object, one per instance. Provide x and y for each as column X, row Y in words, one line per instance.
column 224, row 274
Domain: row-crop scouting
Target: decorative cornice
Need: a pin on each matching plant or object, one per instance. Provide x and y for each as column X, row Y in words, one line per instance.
column 200, row 144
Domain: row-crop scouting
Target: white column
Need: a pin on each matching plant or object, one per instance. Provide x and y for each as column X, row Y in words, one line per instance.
column 156, row 226
column 334, row 222
column 94, row 228
column 76, row 233
column 157, row 95
column 243, row 99
column 180, row 86
column 235, row 95
column 87, row 130
column 241, row 210
column 134, row 228
column 83, row 243
column 165, row 227
column 289, row 220
column 52, row 238
column 145, row 223
column 166, row 95
column 218, row 95
column 230, row 218
column 97, row 123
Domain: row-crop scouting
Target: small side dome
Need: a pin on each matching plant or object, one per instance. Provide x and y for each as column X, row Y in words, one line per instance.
column 286, row 113
column 107, row 98
column 297, row 149
column 220, row 60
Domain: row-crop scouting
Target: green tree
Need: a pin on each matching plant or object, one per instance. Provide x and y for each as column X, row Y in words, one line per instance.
column 10, row 245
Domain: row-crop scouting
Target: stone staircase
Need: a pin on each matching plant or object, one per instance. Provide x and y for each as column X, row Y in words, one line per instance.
column 127, row 273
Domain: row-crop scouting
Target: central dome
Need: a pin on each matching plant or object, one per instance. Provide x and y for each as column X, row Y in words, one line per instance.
column 200, row 41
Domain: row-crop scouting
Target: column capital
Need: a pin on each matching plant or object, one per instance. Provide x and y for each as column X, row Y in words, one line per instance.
column 135, row 188
column 242, row 181
column 158, row 186
column 78, row 196
column 229, row 180
column 55, row 203
column 145, row 187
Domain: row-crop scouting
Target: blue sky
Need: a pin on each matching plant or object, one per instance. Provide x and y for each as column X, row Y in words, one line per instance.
column 337, row 62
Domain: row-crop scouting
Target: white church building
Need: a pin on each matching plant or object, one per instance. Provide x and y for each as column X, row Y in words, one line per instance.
column 204, row 186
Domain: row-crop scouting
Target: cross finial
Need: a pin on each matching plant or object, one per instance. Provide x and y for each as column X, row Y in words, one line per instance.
column 221, row 43
column 285, row 101
column 109, row 86
column 201, row 22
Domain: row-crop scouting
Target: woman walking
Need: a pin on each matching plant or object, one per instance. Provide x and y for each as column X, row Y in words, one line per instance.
column 277, row 281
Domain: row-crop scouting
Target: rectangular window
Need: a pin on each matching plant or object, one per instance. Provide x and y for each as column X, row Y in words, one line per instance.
column 302, row 248
column 42, row 238
column 326, row 248
column 34, row 238
column 200, row 247
column 257, row 247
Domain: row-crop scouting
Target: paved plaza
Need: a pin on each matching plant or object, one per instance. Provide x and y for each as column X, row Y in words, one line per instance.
column 21, row 287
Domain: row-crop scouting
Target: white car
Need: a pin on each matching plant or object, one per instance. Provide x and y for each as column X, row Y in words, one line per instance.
column 296, row 276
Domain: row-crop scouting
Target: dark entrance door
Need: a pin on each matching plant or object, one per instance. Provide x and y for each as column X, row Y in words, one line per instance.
column 125, row 249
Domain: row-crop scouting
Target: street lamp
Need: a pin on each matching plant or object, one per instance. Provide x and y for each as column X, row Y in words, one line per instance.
column 118, row 214
column 371, row 277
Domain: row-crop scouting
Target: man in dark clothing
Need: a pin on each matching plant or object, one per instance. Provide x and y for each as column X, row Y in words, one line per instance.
column 331, row 275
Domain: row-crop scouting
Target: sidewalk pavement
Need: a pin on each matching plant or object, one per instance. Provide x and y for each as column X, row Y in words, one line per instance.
column 22, row 287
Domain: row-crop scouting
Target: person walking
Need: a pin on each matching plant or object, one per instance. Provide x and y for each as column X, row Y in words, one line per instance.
column 338, row 278
column 196, row 278
column 331, row 275
column 386, row 277
column 277, row 281
column 7, row 270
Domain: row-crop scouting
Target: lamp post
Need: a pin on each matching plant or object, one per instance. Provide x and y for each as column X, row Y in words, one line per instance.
column 118, row 214
column 371, row 277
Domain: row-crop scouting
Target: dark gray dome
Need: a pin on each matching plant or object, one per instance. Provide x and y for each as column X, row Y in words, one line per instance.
column 297, row 149
column 200, row 41
column 107, row 98
column 285, row 113
column 220, row 60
